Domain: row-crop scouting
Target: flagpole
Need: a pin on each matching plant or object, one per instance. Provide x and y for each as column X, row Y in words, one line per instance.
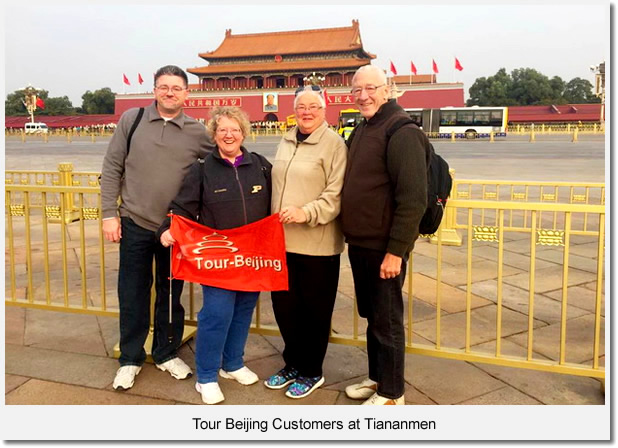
column 170, row 326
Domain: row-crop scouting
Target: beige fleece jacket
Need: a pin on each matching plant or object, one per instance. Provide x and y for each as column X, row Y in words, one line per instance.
column 310, row 175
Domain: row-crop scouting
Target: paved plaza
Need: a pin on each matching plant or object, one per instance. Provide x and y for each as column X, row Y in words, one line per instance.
column 64, row 358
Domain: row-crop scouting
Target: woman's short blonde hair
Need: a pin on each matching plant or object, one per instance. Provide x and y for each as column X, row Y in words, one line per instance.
column 233, row 113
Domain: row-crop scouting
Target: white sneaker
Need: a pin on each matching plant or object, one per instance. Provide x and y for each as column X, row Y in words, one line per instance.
column 243, row 376
column 177, row 368
column 125, row 377
column 211, row 392
column 362, row 390
column 380, row 400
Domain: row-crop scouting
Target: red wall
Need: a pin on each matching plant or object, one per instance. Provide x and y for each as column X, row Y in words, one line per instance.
column 199, row 104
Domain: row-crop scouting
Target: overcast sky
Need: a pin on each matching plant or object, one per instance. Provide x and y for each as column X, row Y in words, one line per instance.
column 70, row 48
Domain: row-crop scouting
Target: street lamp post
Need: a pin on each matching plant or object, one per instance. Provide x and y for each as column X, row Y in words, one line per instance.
column 30, row 100
column 314, row 79
column 599, row 86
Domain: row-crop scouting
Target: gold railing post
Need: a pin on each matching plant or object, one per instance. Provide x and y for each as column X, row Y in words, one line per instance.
column 450, row 237
column 71, row 213
column 532, row 137
column 453, row 136
column 574, row 139
column 491, row 136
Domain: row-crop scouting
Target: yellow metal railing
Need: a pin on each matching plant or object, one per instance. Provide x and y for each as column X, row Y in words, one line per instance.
column 546, row 193
column 461, row 302
column 563, row 128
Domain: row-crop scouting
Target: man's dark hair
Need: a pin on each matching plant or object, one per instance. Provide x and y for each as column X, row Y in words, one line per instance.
column 171, row 70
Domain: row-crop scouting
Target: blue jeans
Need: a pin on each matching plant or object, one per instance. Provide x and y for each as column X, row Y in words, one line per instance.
column 138, row 247
column 222, row 331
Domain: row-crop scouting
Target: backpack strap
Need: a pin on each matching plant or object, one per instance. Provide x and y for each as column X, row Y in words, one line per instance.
column 140, row 114
column 199, row 207
column 130, row 136
column 403, row 121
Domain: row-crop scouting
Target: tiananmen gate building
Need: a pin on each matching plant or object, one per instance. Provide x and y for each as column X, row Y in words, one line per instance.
column 261, row 72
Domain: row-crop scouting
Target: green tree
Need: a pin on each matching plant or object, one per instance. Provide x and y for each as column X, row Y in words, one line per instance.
column 58, row 106
column 557, row 87
column 492, row 91
column 579, row 91
column 14, row 103
column 100, row 101
column 530, row 87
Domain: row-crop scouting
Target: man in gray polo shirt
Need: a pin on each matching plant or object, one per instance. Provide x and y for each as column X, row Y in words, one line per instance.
column 146, row 177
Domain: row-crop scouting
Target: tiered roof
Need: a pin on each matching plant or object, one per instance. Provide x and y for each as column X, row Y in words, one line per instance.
column 284, row 51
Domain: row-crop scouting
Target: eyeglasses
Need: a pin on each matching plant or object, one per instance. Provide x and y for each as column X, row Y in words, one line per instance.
column 312, row 86
column 356, row 91
column 223, row 131
column 313, row 108
column 174, row 89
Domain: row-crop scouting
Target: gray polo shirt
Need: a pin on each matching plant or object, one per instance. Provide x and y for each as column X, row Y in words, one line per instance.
column 151, row 175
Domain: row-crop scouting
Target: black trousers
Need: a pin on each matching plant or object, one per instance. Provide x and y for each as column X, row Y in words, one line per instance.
column 138, row 247
column 304, row 312
column 381, row 303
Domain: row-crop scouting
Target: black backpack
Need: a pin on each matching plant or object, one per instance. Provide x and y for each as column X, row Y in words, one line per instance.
column 439, row 183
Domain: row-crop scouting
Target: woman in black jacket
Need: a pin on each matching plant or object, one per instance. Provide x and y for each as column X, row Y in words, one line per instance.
column 230, row 188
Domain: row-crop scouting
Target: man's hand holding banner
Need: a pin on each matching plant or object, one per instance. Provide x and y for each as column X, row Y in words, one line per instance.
column 247, row 258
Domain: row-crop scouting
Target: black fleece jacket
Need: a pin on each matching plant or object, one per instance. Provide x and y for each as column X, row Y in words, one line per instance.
column 231, row 196
column 384, row 193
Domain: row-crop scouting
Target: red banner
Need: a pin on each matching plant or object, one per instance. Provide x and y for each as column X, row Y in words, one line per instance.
column 345, row 98
column 212, row 102
column 247, row 258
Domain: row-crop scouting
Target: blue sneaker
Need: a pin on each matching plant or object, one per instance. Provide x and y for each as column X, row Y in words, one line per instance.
column 282, row 378
column 303, row 386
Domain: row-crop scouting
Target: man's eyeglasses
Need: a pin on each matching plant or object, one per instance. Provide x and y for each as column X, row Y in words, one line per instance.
column 174, row 89
column 356, row 91
column 311, row 108
column 223, row 131
column 312, row 86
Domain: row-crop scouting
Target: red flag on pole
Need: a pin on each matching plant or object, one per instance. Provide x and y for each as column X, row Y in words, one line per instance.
column 413, row 68
column 435, row 66
column 247, row 258
column 326, row 100
column 393, row 69
column 458, row 65
column 125, row 79
column 40, row 103
column 139, row 78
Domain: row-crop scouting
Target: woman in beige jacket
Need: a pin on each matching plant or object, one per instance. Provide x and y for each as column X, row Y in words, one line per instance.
column 307, row 178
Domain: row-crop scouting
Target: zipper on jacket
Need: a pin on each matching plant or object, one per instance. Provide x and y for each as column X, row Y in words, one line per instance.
column 242, row 195
column 163, row 128
column 285, row 175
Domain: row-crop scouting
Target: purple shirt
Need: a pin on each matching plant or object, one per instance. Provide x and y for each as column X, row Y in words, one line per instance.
column 237, row 160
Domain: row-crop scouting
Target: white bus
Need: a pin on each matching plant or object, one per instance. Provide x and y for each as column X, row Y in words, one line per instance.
column 471, row 122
